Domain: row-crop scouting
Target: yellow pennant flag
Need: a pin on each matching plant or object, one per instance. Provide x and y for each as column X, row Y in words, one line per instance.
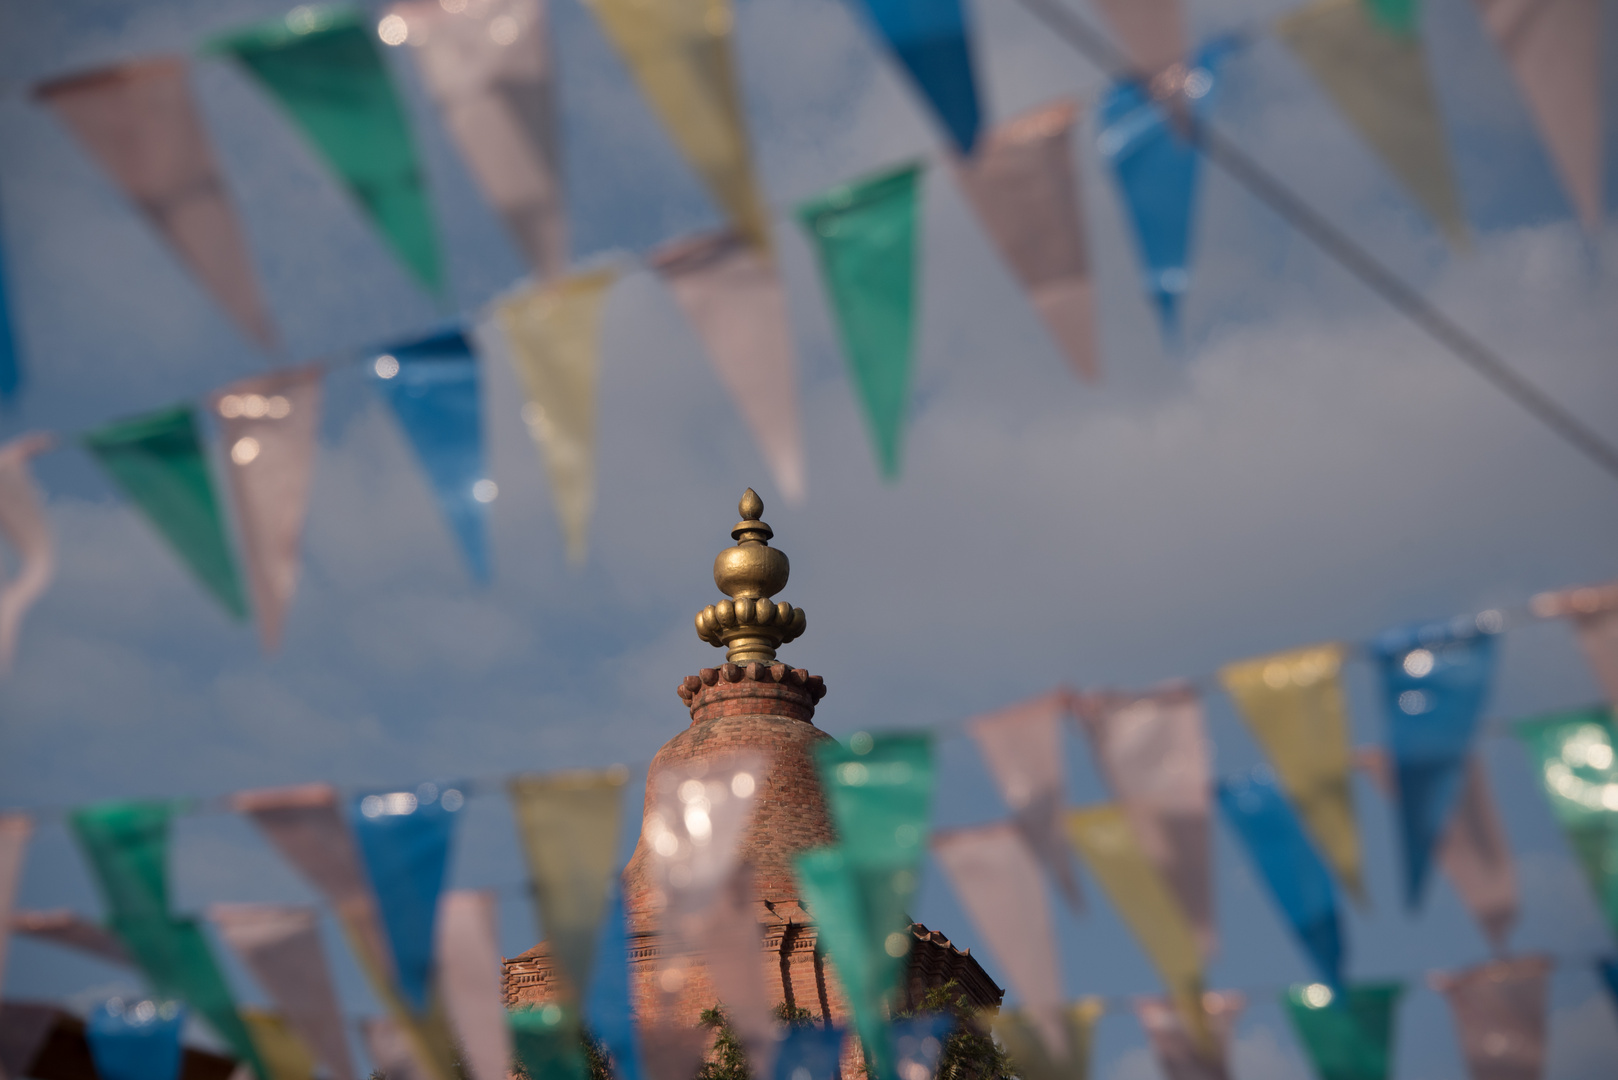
column 1293, row 703
column 569, row 826
column 679, row 52
column 1031, row 1059
column 1106, row 842
column 283, row 1053
column 552, row 332
column 1377, row 77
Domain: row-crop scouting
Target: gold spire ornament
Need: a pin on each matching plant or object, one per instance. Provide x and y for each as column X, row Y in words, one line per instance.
column 750, row 625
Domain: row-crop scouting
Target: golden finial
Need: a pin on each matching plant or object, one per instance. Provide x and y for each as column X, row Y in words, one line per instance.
column 749, row 623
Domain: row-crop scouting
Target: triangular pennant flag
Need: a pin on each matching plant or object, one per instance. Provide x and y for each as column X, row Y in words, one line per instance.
column 489, row 68
column 136, row 1040
column 1022, row 746
column 25, row 1029
column 390, row 1048
column 1576, row 754
column 1435, row 680
column 918, row 1044
column 934, row 44
column 695, row 818
column 268, row 426
column 1554, row 50
column 1157, row 171
column 553, row 335
column 1179, row 1052
column 1378, row 80
column 1473, row 851
column 548, row 1042
column 404, row 838
column 15, row 831
column 1347, row 1033
column 433, row 386
column 879, row 791
column 810, row 1051
column 72, row 931
column 1025, row 190
column 865, row 234
column 281, row 946
column 1153, row 752
column 323, row 66
column 679, row 52
column 157, row 460
column 283, row 1053
column 1594, row 612
column 999, row 883
column 469, row 980
column 1607, row 969
column 569, row 826
column 1499, row 1011
column 142, row 126
column 1293, row 704
column 1030, row 1060
column 732, row 294
column 673, row 1051
column 1296, row 877
column 1105, row 840
column 10, row 360
column 23, row 525
column 1152, row 31
column 607, row 1010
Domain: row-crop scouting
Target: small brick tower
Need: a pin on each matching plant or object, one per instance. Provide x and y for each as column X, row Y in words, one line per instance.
column 753, row 702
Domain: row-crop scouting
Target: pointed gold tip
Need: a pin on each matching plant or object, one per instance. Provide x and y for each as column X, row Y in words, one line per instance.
column 751, row 506
column 750, row 625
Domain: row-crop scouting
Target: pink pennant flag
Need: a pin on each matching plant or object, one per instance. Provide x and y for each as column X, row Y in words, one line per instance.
column 730, row 291
column 281, row 947
column 998, row 879
column 1176, row 1050
column 72, row 931
column 487, row 65
column 1022, row 746
column 1472, row 851
column 23, row 524
column 390, row 1048
column 306, row 827
column 469, row 980
column 696, row 813
column 1499, row 1011
column 1152, row 32
column 1153, row 752
column 1554, row 50
column 1023, row 185
column 268, row 426
column 15, row 831
column 1594, row 611
column 140, row 124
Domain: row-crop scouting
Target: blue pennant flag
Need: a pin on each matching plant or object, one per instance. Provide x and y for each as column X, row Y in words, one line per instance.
column 1157, row 173
column 810, row 1052
column 918, row 1043
column 930, row 38
column 136, row 1040
column 10, row 366
column 1435, row 680
column 607, row 1011
column 1607, row 968
column 404, row 839
column 432, row 385
column 1298, row 879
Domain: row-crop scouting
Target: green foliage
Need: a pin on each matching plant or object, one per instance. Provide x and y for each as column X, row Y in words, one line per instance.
column 597, row 1058
column 728, row 1059
column 970, row 1053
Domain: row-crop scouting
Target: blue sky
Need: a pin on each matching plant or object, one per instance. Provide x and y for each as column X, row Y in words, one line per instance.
column 1304, row 467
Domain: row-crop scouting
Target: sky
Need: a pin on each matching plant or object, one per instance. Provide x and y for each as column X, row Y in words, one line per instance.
column 1302, row 465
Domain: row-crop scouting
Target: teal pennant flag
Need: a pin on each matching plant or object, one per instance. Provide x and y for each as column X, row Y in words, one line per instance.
column 324, row 67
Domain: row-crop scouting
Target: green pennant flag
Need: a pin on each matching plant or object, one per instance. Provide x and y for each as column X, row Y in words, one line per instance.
column 158, row 461
column 1402, row 17
column 547, row 1042
column 127, row 846
column 865, row 233
column 1575, row 753
column 1349, row 1034
column 324, row 66
column 879, row 790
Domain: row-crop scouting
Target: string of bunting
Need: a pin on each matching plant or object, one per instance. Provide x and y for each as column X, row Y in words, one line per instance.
column 380, row 869
column 487, row 67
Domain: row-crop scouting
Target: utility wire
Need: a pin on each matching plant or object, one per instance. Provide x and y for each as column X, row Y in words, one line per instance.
column 1263, row 185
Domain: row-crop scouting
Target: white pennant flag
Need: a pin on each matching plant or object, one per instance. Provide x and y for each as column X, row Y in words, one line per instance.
column 23, row 524
column 469, row 980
